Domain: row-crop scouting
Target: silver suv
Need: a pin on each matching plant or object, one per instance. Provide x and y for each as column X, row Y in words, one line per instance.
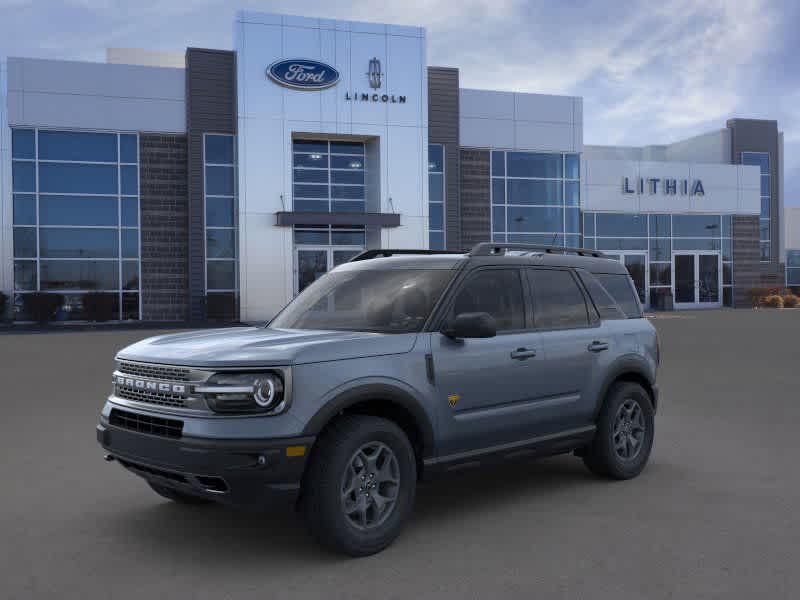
column 396, row 366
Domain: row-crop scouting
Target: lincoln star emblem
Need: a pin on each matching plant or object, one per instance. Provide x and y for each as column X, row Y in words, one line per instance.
column 374, row 74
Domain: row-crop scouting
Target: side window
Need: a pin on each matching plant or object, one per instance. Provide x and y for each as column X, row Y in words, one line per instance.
column 621, row 289
column 494, row 291
column 605, row 304
column 558, row 302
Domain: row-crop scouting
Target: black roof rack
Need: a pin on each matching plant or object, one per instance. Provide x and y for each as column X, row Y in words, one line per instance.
column 490, row 249
column 376, row 252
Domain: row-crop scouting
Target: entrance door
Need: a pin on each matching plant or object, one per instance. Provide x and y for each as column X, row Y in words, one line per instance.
column 697, row 279
column 636, row 263
column 311, row 263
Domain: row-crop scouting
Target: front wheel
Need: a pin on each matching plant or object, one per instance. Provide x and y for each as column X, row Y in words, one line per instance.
column 360, row 485
column 624, row 436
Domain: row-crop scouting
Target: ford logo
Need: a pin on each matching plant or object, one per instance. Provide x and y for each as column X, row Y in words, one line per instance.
column 302, row 74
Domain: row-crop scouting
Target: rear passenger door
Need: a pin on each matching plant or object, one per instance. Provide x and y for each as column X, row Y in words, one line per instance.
column 574, row 343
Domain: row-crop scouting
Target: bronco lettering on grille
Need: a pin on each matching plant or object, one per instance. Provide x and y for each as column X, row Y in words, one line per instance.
column 151, row 386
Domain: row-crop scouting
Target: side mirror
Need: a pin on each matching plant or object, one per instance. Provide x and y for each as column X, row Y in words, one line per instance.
column 471, row 325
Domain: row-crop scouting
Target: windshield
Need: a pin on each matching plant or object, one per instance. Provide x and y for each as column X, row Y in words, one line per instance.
column 383, row 301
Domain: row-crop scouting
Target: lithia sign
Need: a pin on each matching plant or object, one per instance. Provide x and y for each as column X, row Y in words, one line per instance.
column 306, row 74
column 667, row 186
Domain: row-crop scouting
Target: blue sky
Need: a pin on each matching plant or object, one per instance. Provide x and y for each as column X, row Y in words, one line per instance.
column 649, row 72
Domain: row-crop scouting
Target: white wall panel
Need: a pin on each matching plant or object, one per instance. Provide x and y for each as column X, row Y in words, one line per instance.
column 486, row 104
column 540, row 135
column 486, row 133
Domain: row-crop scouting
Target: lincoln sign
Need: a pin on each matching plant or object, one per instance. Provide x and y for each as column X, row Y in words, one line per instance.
column 667, row 186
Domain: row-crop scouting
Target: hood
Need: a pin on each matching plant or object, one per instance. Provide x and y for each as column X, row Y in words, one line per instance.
column 257, row 346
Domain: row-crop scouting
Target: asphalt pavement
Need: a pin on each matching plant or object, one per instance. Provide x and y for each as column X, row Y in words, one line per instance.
column 714, row 515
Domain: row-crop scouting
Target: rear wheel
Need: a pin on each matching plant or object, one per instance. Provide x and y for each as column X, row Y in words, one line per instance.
column 360, row 485
column 175, row 495
column 624, row 437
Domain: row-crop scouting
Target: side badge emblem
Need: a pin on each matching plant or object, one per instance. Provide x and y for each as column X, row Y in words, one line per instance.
column 453, row 400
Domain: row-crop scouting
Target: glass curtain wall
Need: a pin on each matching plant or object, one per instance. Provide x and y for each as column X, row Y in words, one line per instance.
column 535, row 198
column 328, row 176
column 660, row 235
column 793, row 270
column 761, row 160
column 76, row 220
column 436, row 197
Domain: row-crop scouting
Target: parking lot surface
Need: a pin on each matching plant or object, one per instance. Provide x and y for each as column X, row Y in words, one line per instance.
column 715, row 514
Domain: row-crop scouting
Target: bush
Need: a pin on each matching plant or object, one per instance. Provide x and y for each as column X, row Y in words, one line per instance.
column 98, row 306
column 3, row 306
column 41, row 306
column 790, row 301
column 773, row 301
column 759, row 294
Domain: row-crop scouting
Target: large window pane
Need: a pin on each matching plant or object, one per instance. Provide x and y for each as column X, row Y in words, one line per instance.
column 310, row 146
column 727, row 225
column 727, row 249
column 347, row 206
column 436, row 216
column 498, row 163
column 622, row 243
column 759, row 159
column 130, row 243
column 78, row 243
column 130, row 274
column 763, row 229
column 695, row 244
column 353, row 177
column 498, row 218
column 436, row 240
column 219, row 212
column 436, row 187
column 765, row 185
column 347, row 192
column 24, row 209
column 310, row 191
column 128, row 148
column 348, row 238
column 77, row 146
column 79, row 275
column 344, row 162
column 25, row 275
column 221, row 274
column 130, row 212
column 219, row 181
column 573, row 166
column 765, row 208
column 77, row 179
column 498, row 191
column 696, row 225
column 311, row 205
column 77, row 210
column 130, row 307
column 347, row 148
column 793, row 258
column 572, row 220
column 660, row 226
column 25, row 242
column 622, row 225
column 529, row 164
column 129, row 184
column 435, row 158
column 321, row 237
column 524, row 219
column 23, row 176
column 318, row 161
column 311, row 175
column 660, row 249
column 588, row 224
column 660, row 274
column 572, row 192
column 219, row 149
column 522, row 191
column 23, row 143
column 220, row 243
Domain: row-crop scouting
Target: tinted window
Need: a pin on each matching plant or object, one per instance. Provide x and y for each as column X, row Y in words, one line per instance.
column 22, row 143
column 613, row 225
column 66, row 178
column 529, row 164
column 558, row 302
column 78, row 243
column 73, row 145
column 497, row 292
column 128, row 152
column 219, row 149
column 77, row 210
column 696, row 225
column 605, row 304
column 621, row 289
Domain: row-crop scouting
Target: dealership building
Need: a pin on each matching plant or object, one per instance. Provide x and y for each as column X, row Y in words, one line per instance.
column 218, row 184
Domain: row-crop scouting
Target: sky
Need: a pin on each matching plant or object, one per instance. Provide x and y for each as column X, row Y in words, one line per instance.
column 650, row 72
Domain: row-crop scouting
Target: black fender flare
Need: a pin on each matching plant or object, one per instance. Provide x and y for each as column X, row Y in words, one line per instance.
column 626, row 365
column 381, row 392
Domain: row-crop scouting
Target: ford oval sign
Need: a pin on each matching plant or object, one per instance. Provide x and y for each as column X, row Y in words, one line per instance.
column 303, row 74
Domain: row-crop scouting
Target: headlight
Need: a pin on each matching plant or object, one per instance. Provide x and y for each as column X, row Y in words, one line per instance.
column 244, row 393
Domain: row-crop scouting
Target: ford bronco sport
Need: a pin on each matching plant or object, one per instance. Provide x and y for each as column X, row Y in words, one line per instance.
column 395, row 366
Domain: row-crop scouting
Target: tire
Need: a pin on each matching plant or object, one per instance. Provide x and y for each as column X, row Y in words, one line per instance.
column 175, row 495
column 342, row 510
column 626, row 416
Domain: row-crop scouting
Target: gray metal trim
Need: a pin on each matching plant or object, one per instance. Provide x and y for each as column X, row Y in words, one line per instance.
column 287, row 219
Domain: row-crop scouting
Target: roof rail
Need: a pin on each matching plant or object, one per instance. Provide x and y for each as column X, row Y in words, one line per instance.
column 376, row 252
column 489, row 249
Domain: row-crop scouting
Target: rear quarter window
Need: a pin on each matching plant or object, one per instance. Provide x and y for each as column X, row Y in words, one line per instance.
column 606, row 306
column 620, row 287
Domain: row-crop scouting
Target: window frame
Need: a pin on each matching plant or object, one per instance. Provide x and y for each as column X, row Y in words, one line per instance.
column 234, row 227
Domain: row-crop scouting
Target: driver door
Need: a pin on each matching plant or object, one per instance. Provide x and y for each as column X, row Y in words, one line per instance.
column 486, row 389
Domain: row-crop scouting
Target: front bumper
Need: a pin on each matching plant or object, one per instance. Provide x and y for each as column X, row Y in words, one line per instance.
column 249, row 473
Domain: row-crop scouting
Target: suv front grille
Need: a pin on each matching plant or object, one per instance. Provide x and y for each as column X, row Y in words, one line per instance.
column 171, row 428
column 154, row 371
column 159, row 398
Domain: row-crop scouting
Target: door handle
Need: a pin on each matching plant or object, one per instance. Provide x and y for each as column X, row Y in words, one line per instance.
column 598, row 346
column 523, row 353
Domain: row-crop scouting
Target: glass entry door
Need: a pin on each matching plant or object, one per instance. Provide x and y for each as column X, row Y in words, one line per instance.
column 312, row 263
column 636, row 263
column 696, row 279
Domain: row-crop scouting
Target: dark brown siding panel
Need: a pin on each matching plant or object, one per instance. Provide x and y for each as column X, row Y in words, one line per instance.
column 443, row 129
column 746, row 253
column 164, row 227
column 210, row 108
column 476, row 218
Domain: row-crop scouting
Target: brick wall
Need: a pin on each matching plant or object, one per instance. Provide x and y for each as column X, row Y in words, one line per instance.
column 165, row 231
column 476, row 216
column 748, row 271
